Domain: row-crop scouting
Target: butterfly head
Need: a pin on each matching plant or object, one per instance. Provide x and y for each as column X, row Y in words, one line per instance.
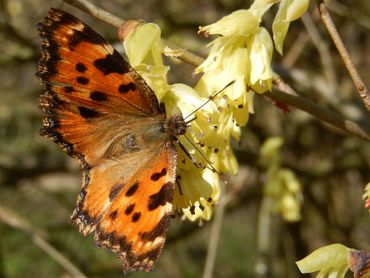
column 177, row 125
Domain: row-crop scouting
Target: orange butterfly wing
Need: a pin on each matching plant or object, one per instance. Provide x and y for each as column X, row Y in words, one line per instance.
column 99, row 110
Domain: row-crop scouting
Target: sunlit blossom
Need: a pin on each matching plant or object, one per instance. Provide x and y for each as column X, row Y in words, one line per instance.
column 330, row 261
column 289, row 10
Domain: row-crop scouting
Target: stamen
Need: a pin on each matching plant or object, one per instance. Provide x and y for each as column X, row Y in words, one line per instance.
column 209, row 99
column 214, row 170
column 193, row 119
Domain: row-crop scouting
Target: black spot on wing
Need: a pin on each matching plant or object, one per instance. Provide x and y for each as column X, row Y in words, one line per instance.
column 82, row 80
column 112, row 63
column 131, row 191
column 114, row 191
column 80, row 67
column 164, row 195
column 68, row 89
column 98, row 96
column 129, row 209
column 157, row 176
column 158, row 230
column 113, row 239
column 136, row 216
column 87, row 112
column 85, row 35
column 125, row 88
column 151, row 255
column 113, row 215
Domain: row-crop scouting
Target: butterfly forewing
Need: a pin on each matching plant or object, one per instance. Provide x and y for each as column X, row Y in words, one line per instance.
column 97, row 108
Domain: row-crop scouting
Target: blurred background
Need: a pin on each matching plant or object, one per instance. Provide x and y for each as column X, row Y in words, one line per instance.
column 39, row 183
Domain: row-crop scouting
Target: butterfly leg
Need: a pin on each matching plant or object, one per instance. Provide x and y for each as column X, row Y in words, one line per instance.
column 188, row 154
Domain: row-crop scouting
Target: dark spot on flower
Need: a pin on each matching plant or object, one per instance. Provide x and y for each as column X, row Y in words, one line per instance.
column 192, row 209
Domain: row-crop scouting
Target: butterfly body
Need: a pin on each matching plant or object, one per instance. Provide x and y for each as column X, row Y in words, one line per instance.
column 100, row 111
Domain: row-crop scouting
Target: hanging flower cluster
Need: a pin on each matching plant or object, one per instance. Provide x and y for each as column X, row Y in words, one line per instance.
column 241, row 57
column 282, row 188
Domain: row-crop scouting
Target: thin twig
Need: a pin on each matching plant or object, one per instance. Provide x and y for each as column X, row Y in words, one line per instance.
column 359, row 84
column 14, row 220
column 97, row 12
column 214, row 237
column 291, row 98
column 115, row 21
column 235, row 187
column 324, row 53
column 292, row 54
column 297, row 101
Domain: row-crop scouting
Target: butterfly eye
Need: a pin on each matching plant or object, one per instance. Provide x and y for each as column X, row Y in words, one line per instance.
column 177, row 125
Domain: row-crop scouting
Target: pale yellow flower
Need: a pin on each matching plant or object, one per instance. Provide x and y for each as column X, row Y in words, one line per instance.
column 282, row 186
column 240, row 22
column 330, row 261
column 144, row 48
column 289, row 10
column 260, row 52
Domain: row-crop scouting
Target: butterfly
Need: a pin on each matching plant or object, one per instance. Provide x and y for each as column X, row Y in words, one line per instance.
column 101, row 112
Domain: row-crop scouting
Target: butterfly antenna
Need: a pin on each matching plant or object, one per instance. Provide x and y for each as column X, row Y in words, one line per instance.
column 209, row 99
column 189, row 121
column 213, row 169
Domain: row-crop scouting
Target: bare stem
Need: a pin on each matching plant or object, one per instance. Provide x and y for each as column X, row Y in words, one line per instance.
column 359, row 84
column 97, row 12
column 286, row 94
column 214, row 237
column 234, row 189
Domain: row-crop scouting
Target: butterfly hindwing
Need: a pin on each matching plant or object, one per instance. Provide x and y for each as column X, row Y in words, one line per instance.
column 98, row 109
column 136, row 223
